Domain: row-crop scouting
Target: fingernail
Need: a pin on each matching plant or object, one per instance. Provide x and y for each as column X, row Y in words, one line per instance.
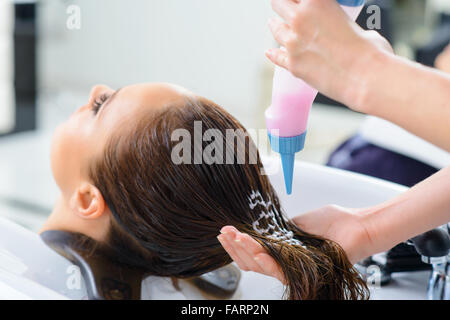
column 229, row 235
column 226, row 231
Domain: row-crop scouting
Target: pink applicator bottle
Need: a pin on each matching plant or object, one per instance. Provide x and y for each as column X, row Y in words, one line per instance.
column 287, row 117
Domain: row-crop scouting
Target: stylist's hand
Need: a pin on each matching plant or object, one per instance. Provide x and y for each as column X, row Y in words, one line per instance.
column 324, row 47
column 344, row 226
column 443, row 60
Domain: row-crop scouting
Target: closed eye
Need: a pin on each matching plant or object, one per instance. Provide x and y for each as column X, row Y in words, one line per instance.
column 99, row 101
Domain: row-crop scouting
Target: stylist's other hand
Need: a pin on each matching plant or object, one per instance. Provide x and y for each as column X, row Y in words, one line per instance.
column 342, row 225
column 324, row 47
column 443, row 60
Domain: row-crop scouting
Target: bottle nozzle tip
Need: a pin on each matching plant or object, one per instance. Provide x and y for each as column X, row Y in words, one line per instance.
column 288, row 161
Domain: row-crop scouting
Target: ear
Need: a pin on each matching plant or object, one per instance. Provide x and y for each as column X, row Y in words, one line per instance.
column 88, row 202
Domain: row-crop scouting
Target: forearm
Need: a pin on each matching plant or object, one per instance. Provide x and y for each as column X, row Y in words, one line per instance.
column 415, row 97
column 420, row 209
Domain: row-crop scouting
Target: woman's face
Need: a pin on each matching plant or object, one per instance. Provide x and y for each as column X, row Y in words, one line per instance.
column 82, row 138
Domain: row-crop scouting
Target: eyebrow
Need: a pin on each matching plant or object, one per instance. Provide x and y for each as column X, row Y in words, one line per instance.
column 110, row 100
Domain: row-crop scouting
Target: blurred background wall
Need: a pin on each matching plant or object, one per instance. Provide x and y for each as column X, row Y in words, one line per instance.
column 214, row 48
column 7, row 106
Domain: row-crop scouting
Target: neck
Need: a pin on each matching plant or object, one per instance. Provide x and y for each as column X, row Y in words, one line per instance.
column 55, row 221
column 62, row 218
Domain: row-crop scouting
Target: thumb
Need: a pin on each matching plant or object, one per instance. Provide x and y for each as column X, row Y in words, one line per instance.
column 316, row 221
column 306, row 220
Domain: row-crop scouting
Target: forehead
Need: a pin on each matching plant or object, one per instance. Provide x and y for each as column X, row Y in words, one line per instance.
column 150, row 95
column 135, row 101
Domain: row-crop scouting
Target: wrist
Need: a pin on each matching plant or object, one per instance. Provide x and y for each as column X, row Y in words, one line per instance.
column 365, row 75
column 379, row 227
column 368, row 239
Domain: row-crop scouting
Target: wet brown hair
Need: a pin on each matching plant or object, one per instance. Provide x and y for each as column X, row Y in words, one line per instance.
column 166, row 217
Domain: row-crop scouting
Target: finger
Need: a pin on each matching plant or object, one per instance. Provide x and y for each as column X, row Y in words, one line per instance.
column 282, row 32
column 301, row 220
column 265, row 262
column 259, row 260
column 269, row 266
column 251, row 245
column 285, row 8
column 278, row 57
column 234, row 241
column 252, row 249
column 245, row 254
column 311, row 216
column 229, row 248
column 229, row 230
column 309, row 223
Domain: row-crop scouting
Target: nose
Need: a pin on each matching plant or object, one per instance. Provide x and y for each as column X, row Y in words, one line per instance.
column 97, row 89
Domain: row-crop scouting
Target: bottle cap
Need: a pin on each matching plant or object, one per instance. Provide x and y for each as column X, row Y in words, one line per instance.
column 351, row 3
